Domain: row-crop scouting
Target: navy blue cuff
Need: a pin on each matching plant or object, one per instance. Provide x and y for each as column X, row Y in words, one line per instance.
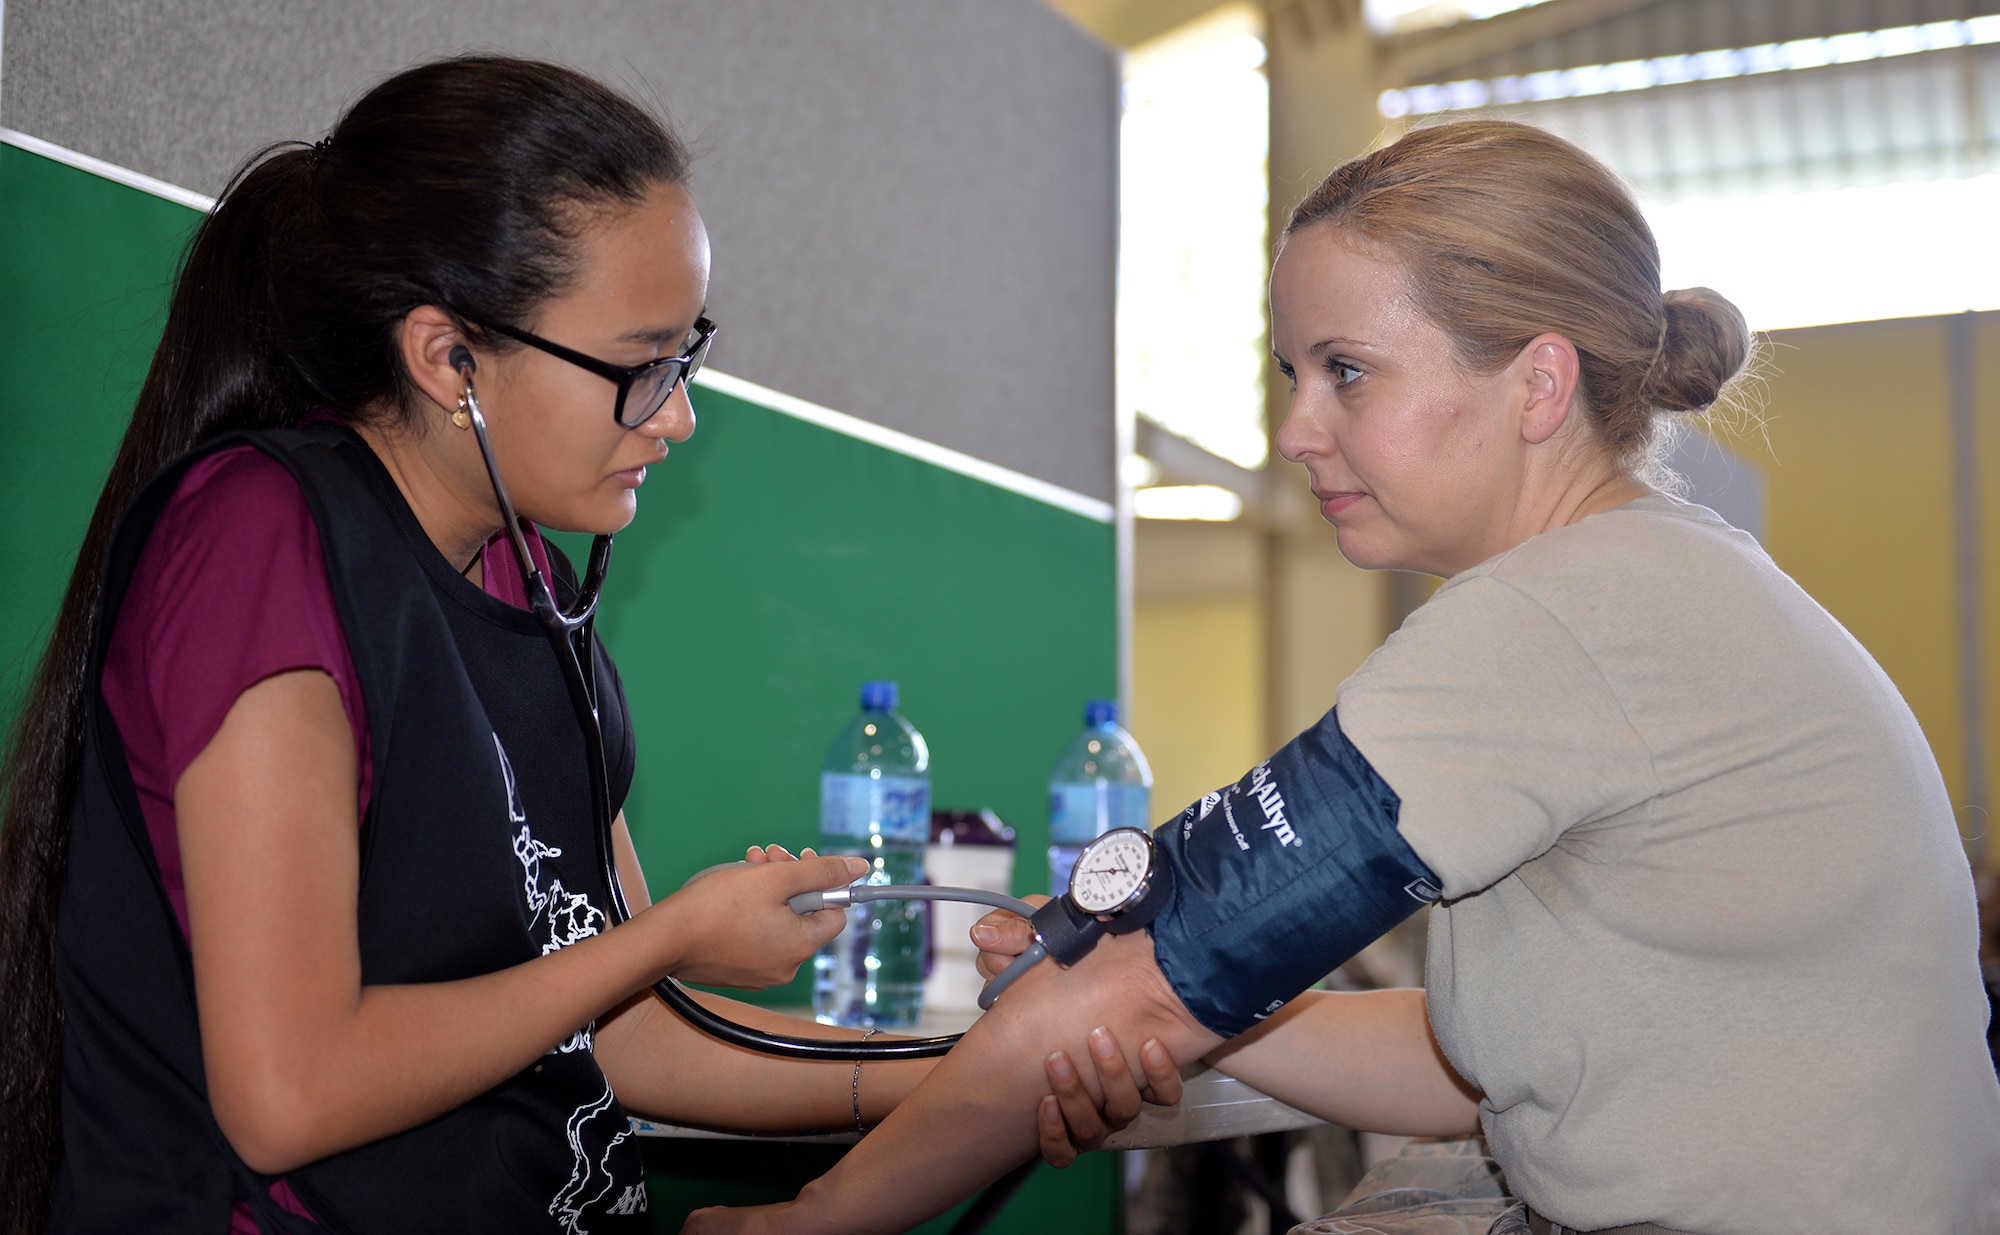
column 1281, row 877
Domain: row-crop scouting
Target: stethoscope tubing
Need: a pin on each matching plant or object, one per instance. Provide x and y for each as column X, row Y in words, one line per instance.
column 566, row 631
column 864, row 893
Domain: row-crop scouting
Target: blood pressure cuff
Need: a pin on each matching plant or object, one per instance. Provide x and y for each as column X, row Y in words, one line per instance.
column 1281, row 877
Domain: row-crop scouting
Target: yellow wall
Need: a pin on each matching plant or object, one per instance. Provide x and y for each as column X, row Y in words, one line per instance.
column 1197, row 692
column 1858, row 466
column 1986, row 401
column 1332, row 615
column 1223, row 677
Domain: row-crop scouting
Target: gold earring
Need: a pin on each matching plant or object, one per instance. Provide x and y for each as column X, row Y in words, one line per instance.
column 463, row 416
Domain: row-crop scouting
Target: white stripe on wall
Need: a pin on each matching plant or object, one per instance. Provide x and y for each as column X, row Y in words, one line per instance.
column 902, row 443
column 110, row 171
column 825, row 417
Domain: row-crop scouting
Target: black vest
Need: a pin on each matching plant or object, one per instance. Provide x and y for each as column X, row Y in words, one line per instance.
column 477, row 853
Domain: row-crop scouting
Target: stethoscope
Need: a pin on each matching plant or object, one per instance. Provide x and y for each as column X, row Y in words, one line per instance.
column 1119, row 886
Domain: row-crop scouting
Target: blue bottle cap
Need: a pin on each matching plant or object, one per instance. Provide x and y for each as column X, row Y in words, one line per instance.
column 1100, row 712
column 878, row 696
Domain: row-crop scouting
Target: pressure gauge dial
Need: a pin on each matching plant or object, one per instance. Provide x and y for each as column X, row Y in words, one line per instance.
column 1113, row 872
column 1118, row 885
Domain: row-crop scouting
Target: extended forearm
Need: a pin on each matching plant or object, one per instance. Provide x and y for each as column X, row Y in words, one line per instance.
column 973, row 1118
column 660, row 1065
column 1362, row 1059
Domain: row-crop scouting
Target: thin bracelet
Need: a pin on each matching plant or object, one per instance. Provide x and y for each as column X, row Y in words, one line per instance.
column 858, row 1125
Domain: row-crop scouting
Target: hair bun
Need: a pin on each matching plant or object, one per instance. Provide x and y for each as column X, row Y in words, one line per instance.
column 1707, row 343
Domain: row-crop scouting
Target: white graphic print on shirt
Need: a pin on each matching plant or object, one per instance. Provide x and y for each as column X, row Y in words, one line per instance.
column 595, row 1130
column 559, row 918
column 567, row 916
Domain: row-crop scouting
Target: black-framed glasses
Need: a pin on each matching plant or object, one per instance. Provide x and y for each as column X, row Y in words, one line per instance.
column 642, row 389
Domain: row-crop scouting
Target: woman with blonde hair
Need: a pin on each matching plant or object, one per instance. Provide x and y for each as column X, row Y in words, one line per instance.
column 1704, row 954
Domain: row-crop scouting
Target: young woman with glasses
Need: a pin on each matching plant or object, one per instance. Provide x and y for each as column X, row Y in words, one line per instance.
column 303, row 926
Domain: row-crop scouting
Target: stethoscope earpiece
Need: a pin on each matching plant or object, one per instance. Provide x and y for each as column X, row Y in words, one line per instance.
column 461, row 359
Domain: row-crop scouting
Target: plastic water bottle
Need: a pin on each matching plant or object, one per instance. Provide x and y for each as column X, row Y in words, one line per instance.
column 875, row 800
column 1100, row 783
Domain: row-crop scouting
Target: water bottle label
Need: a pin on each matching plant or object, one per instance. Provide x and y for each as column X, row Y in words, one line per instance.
column 1130, row 806
column 897, row 808
column 1083, row 811
column 1062, row 863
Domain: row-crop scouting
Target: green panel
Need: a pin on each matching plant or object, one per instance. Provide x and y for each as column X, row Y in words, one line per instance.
column 85, row 268
column 773, row 566
column 683, row 1176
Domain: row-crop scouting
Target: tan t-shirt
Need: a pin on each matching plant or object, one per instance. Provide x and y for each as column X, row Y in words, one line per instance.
column 1709, row 944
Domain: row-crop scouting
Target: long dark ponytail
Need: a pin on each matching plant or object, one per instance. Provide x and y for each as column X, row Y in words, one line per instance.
column 455, row 183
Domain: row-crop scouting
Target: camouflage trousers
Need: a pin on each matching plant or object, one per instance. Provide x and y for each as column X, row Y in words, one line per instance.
column 1431, row 1188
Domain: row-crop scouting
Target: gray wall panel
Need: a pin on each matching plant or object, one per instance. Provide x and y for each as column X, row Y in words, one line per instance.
column 913, row 202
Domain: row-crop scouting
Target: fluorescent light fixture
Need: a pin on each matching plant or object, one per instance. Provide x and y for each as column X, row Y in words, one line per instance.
column 1208, row 503
column 1138, row 472
column 1386, row 17
column 1629, row 75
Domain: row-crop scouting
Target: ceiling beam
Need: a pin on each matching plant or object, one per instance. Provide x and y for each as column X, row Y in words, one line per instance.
column 1433, row 55
column 1128, row 23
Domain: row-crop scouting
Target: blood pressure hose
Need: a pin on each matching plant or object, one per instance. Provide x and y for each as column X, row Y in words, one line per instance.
column 862, row 893
column 677, row 998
